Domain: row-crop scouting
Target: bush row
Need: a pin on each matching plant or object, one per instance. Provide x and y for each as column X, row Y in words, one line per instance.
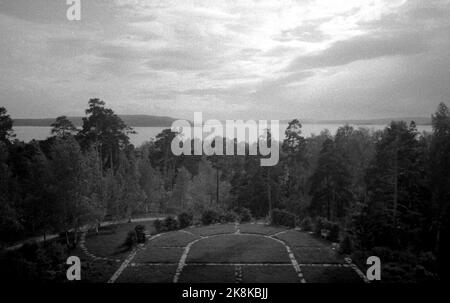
column 283, row 218
column 212, row 216
column 169, row 223
column 208, row 216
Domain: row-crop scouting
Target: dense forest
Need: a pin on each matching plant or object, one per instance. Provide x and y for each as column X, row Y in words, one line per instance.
column 387, row 192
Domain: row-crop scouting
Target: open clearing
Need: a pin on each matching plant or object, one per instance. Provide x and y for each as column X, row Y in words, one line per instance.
column 222, row 253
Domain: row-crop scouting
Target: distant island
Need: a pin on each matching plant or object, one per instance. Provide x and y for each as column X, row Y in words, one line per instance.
column 130, row 120
column 381, row 121
column 162, row 121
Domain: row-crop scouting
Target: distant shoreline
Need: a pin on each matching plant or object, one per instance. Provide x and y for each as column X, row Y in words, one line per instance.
column 162, row 121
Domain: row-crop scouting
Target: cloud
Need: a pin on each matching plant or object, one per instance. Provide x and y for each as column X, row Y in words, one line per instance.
column 366, row 47
column 38, row 11
column 182, row 59
column 308, row 31
column 272, row 59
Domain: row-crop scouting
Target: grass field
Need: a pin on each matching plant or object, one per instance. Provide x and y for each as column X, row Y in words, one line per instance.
column 222, row 253
column 237, row 249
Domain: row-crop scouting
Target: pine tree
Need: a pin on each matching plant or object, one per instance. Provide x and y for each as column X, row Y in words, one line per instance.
column 104, row 131
column 63, row 127
column 330, row 184
column 6, row 125
column 440, row 185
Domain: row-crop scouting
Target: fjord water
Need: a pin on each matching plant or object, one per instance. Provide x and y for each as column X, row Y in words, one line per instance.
column 143, row 134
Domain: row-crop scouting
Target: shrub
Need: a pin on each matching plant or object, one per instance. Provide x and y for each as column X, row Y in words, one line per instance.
column 385, row 253
column 227, row 217
column 130, row 240
column 35, row 262
column 245, row 215
column 306, row 224
column 185, row 219
column 283, row 218
column 140, row 228
column 428, row 260
column 319, row 225
column 346, row 245
column 210, row 216
column 29, row 250
column 171, row 223
column 159, row 226
column 168, row 224
column 334, row 229
column 140, row 233
column 56, row 253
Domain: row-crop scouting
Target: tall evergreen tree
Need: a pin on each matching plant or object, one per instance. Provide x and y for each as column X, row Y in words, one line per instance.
column 105, row 132
column 440, row 185
column 330, row 184
column 294, row 160
column 6, row 125
column 63, row 127
column 396, row 183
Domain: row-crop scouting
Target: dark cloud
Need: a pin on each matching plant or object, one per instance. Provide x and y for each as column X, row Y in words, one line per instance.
column 182, row 60
column 362, row 48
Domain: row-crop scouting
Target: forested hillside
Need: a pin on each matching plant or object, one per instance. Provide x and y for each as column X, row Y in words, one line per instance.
column 386, row 192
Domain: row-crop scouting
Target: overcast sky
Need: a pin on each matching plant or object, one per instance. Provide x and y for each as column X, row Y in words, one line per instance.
column 262, row 59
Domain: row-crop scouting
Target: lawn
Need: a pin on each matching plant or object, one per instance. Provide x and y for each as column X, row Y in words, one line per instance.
column 309, row 249
column 95, row 271
column 319, row 274
column 300, row 239
column 219, row 255
column 238, row 249
column 269, row 274
column 148, row 274
column 173, row 239
column 317, row 255
column 105, row 244
column 212, row 229
column 260, row 229
column 208, row 274
column 158, row 255
column 109, row 239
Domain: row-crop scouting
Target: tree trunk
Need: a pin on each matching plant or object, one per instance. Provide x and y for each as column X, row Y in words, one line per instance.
column 111, row 159
column 165, row 168
column 395, row 182
column 217, row 185
column 67, row 239
column 269, row 193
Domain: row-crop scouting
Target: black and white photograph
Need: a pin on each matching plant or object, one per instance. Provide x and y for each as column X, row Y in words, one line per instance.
column 232, row 144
